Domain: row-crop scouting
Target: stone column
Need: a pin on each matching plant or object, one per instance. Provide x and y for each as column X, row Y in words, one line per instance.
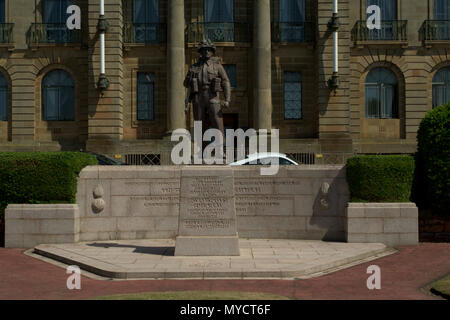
column 175, row 66
column 262, row 90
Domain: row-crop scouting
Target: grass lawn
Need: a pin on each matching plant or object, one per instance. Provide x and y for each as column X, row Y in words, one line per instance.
column 194, row 295
column 442, row 287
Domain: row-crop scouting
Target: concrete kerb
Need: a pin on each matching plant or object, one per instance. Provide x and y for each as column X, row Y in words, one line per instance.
column 106, row 271
column 31, row 253
column 295, row 271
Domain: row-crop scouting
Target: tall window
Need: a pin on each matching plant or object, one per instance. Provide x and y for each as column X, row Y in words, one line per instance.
column 388, row 20
column 441, row 87
column 388, row 8
column 145, row 20
column 381, row 94
column 58, row 96
column 55, row 11
column 219, row 10
column 442, row 9
column 292, row 10
column 55, row 17
column 2, row 11
column 292, row 19
column 442, row 14
column 145, row 96
column 292, row 95
column 230, row 69
column 219, row 17
column 3, row 98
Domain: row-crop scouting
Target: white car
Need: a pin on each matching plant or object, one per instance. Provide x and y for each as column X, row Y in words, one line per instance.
column 265, row 158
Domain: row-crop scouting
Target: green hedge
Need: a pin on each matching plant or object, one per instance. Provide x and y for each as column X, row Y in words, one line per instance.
column 380, row 178
column 433, row 160
column 40, row 177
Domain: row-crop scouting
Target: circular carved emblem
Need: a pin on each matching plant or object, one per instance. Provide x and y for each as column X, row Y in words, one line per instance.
column 98, row 192
column 98, row 204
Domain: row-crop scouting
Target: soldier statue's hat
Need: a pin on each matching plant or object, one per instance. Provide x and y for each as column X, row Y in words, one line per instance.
column 206, row 44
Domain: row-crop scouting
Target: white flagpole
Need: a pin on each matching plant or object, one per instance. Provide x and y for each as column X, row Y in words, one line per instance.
column 335, row 40
column 103, row 82
column 102, row 40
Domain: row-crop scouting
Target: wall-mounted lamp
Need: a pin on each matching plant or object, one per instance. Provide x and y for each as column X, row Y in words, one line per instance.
column 333, row 82
column 102, row 27
column 102, row 83
column 333, row 24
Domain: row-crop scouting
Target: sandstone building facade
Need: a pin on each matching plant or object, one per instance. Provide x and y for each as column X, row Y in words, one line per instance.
column 278, row 54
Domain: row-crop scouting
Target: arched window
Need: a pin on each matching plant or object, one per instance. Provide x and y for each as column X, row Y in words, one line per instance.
column 3, row 98
column 381, row 94
column 441, row 87
column 58, row 96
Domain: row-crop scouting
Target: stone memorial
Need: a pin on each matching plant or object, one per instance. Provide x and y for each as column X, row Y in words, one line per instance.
column 134, row 202
column 207, row 220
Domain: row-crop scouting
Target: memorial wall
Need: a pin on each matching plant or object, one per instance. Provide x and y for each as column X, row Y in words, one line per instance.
column 302, row 202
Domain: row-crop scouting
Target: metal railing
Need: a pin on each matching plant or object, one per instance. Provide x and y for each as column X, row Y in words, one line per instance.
column 143, row 159
column 293, row 32
column 435, row 30
column 219, row 32
column 391, row 30
column 302, row 158
column 6, row 32
column 46, row 33
column 147, row 33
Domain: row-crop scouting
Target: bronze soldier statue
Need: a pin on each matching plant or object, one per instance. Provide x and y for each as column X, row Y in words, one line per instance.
column 205, row 79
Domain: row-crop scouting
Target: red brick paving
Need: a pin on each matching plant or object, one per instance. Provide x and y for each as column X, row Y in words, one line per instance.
column 402, row 276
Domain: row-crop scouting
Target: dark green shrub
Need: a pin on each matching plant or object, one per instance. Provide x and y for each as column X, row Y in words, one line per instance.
column 380, row 178
column 433, row 160
column 40, row 177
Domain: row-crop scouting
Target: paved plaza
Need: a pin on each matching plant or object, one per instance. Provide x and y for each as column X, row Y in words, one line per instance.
column 403, row 275
column 138, row 259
